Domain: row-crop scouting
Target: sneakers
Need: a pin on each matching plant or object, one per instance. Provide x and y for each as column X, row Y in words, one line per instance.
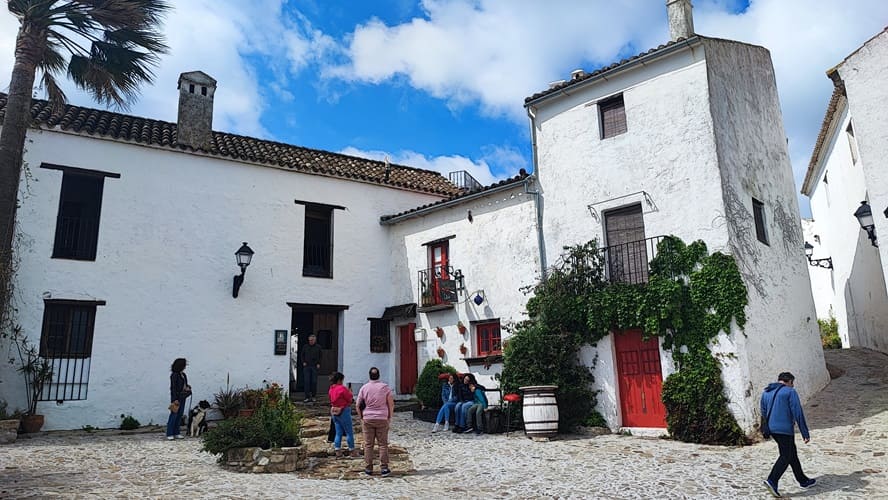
column 338, row 453
column 170, row 438
column 772, row 488
column 809, row 483
column 354, row 454
column 468, row 430
column 179, row 436
column 446, row 426
column 385, row 472
column 368, row 472
column 435, row 428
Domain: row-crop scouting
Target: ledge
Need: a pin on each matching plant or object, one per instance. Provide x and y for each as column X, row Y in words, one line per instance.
column 484, row 360
column 438, row 307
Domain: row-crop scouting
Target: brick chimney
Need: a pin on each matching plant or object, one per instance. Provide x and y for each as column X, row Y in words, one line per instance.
column 681, row 19
column 195, row 123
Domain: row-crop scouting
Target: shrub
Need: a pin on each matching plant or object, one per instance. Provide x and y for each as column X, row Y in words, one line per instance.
column 829, row 333
column 428, row 387
column 275, row 424
column 129, row 423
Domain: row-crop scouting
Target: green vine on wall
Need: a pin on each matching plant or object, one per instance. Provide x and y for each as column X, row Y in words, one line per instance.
column 690, row 297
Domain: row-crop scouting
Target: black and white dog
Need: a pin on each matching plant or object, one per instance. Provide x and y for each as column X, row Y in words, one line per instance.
column 197, row 418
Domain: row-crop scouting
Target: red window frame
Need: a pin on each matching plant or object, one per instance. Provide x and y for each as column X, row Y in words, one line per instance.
column 489, row 338
column 438, row 262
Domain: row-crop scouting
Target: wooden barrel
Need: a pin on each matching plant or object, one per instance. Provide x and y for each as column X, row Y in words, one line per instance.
column 540, row 411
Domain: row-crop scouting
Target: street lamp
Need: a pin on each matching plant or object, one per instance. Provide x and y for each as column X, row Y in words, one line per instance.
column 824, row 263
column 244, row 255
column 864, row 216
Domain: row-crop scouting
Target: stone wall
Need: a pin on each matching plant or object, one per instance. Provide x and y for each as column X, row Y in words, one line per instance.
column 257, row 460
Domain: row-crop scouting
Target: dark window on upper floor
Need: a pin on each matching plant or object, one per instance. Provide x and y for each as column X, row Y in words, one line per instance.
column 318, row 246
column 77, row 225
column 761, row 229
column 612, row 116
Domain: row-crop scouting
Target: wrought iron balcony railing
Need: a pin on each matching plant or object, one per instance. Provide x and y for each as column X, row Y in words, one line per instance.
column 630, row 262
column 464, row 181
column 439, row 285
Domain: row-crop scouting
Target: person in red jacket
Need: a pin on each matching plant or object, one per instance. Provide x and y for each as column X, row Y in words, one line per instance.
column 340, row 408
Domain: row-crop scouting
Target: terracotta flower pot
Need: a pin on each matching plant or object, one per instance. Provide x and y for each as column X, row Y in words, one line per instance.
column 463, row 349
column 32, row 423
column 461, row 327
column 439, row 332
column 441, row 352
column 246, row 412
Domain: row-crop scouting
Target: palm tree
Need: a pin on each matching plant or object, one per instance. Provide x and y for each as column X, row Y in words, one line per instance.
column 106, row 47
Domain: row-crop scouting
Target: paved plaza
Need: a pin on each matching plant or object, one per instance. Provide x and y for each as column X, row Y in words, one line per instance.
column 847, row 455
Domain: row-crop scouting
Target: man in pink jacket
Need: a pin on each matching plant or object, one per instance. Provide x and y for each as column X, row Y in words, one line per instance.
column 376, row 405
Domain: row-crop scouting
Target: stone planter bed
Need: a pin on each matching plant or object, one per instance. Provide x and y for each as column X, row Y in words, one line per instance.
column 257, row 460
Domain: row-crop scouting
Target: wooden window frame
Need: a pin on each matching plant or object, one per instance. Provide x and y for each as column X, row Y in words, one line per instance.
column 319, row 213
column 84, row 244
column 612, row 116
column 760, row 221
column 67, row 308
column 495, row 332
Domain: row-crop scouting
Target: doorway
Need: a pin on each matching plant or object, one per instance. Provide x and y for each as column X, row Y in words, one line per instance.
column 640, row 380
column 323, row 322
column 407, row 366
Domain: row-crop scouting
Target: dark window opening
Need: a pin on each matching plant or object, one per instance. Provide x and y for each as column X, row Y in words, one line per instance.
column 318, row 246
column 758, row 213
column 613, row 117
column 626, row 251
column 191, row 88
column 77, row 226
column 380, row 340
column 66, row 345
column 203, row 91
column 489, row 338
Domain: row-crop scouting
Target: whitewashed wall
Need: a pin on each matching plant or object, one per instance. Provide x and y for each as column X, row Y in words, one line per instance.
column 781, row 333
column 169, row 228
column 861, row 302
column 497, row 253
column 865, row 73
column 822, row 282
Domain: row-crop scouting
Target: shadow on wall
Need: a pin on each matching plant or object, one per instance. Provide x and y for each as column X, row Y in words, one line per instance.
column 866, row 299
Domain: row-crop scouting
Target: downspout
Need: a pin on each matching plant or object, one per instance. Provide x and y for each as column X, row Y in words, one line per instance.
column 537, row 195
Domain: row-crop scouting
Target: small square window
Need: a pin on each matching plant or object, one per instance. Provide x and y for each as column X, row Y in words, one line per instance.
column 612, row 114
column 758, row 213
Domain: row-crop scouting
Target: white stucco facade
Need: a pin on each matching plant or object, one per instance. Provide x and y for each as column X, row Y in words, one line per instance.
column 843, row 173
column 701, row 143
column 822, row 279
column 169, row 227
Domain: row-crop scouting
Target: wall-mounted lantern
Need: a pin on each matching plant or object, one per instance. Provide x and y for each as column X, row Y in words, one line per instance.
column 244, row 255
column 864, row 216
column 479, row 297
column 809, row 252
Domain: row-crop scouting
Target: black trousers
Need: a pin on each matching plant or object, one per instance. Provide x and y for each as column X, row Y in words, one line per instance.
column 789, row 457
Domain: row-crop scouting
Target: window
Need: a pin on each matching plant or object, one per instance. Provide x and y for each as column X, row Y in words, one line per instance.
column 318, row 246
column 852, row 143
column 612, row 113
column 626, row 252
column 489, row 338
column 77, row 225
column 437, row 284
column 66, row 341
column 380, row 340
column 758, row 213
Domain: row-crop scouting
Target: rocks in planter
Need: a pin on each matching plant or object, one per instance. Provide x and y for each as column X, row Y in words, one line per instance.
column 8, row 430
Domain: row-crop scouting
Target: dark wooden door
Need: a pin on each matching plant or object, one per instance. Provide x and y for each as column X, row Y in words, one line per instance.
column 325, row 326
column 626, row 247
column 640, row 380
column 408, row 364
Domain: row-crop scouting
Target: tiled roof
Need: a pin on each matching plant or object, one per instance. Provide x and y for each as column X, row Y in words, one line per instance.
column 838, row 92
column 580, row 77
column 144, row 131
column 522, row 174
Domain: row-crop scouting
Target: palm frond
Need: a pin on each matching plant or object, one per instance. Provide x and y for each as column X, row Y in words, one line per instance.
column 112, row 74
column 54, row 92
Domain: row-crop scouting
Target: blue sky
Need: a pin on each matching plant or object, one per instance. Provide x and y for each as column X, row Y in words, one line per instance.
column 440, row 84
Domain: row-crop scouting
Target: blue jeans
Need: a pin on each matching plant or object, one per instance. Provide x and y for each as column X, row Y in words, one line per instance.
column 343, row 423
column 174, row 423
column 310, row 380
column 462, row 409
column 444, row 412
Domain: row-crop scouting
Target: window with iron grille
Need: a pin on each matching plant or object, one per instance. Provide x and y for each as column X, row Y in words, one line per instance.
column 758, row 213
column 380, row 340
column 613, row 117
column 318, row 243
column 489, row 338
column 66, row 341
column 77, row 225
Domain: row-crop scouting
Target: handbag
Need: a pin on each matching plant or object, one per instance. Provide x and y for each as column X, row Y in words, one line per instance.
column 765, row 428
column 173, row 407
column 335, row 410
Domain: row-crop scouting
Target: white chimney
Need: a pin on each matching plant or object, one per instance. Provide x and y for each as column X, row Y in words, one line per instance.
column 195, row 124
column 577, row 73
column 681, row 19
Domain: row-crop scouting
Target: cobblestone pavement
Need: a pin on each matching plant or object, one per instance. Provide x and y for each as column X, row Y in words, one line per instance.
column 847, row 455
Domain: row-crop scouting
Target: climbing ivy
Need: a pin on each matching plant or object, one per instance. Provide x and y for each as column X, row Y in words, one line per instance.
column 690, row 296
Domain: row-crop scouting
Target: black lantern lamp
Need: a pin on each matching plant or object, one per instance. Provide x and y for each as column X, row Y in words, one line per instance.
column 809, row 252
column 244, row 255
column 864, row 216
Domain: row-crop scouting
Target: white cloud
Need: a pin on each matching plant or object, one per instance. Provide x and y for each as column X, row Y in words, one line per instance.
column 480, row 169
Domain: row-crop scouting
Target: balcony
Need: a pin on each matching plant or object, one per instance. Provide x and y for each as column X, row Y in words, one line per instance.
column 464, row 181
column 439, row 287
column 630, row 262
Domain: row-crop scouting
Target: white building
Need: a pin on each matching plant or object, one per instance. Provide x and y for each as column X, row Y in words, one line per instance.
column 820, row 271
column 846, row 170
column 685, row 139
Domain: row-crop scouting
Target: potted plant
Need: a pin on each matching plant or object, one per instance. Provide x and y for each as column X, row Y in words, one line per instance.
column 251, row 398
column 441, row 352
column 229, row 401
column 9, row 423
column 461, row 327
column 37, row 372
column 463, row 349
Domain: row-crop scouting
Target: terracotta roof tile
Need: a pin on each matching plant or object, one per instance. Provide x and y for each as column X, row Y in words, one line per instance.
column 838, row 92
column 145, row 131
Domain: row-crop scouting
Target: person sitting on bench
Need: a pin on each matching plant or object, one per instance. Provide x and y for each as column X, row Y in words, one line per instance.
column 476, row 411
column 450, row 397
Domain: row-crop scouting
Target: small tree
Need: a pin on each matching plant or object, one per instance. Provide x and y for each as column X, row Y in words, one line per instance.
column 36, row 371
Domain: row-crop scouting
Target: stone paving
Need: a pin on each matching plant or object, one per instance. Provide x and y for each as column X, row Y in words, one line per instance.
column 847, row 455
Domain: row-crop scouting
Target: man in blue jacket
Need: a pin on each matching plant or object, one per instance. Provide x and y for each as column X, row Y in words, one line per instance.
column 782, row 401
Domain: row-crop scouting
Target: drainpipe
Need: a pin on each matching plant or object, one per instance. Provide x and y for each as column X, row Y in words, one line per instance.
column 537, row 195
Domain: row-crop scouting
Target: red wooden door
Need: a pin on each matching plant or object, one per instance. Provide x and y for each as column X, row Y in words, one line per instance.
column 641, row 381
column 408, row 370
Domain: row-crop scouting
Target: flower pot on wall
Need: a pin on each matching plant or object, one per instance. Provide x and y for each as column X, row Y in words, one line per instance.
column 32, row 423
column 441, row 352
column 461, row 327
column 463, row 349
column 439, row 332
